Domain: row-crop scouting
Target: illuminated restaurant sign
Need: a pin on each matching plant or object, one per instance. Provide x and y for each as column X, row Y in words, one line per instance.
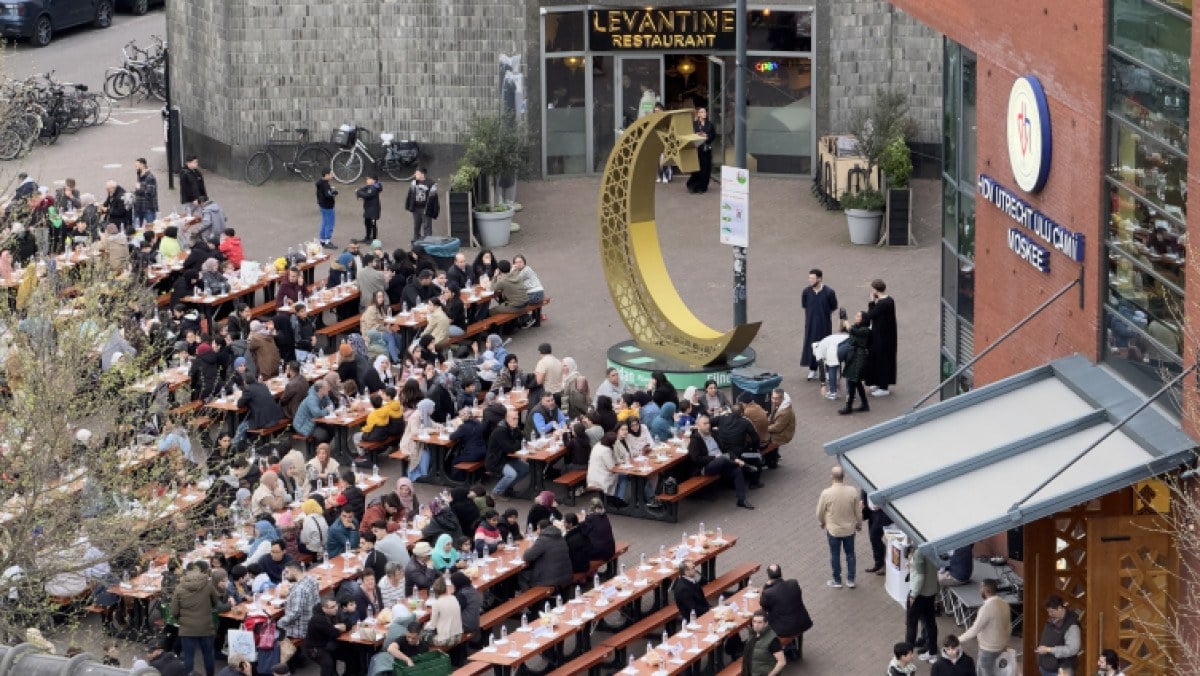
column 661, row 29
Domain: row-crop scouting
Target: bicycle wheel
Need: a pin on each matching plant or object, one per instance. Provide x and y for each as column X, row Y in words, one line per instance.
column 311, row 161
column 347, row 166
column 11, row 145
column 103, row 110
column 396, row 170
column 259, row 168
column 120, row 84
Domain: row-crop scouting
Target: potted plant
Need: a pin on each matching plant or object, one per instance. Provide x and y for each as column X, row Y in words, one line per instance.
column 896, row 165
column 874, row 129
column 864, row 211
column 462, row 188
column 497, row 146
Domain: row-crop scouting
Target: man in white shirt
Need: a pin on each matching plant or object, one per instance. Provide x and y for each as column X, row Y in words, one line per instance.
column 612, row 387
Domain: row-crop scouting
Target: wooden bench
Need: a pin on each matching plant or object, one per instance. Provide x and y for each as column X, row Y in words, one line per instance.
column 266, row 308
column 513, row 606
column 571, row 480
column 187, row 410
column 271, row 430
column 310, row 443
column 650, row 624
column 771, row 449
column 734, row 668
column 589, row 663
column 162, row 300
column 474, row 329
column 333, row 331
column 686, row 488
column 373, row 448
column 473, row 470
column 472, row 669
column 738, row 577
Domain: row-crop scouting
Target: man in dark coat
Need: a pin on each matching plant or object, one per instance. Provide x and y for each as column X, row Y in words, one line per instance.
column 689, row 592
column 422, row 202
column 819, row 303
column 548, row 561
column 881, row 355
column 115, row 208
column 145, row 195
column 166, row 662
column 706, row 457
column 599, row 532
column 369, row 194
column 295, row 391
column 261, row 408
column 192, row 192
column 578, row 543
column 783, row 602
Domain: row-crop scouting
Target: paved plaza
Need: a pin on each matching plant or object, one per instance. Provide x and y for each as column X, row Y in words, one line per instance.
column 790, row 233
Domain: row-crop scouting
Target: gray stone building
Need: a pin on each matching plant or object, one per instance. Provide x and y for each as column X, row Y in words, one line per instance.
column 423, row 68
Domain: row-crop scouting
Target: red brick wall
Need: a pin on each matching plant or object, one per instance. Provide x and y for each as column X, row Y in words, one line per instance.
column 1062, row 43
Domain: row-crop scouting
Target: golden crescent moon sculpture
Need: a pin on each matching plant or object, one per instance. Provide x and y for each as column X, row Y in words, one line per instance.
column 641, row 288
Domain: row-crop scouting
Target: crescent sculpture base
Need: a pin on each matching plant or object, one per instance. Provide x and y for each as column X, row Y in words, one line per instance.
column 636, row 365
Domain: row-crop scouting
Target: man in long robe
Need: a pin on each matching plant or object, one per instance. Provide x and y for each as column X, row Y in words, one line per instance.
column 819, row 303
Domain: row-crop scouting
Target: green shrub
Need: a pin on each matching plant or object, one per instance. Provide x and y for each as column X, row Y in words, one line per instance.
column 867, row 200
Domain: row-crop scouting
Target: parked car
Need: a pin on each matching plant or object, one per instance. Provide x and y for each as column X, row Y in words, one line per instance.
column 39, row 20
column 138, row 7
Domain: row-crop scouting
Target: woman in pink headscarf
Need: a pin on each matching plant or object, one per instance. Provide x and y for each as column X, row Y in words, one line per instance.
column 408, row 496
column 545, row 506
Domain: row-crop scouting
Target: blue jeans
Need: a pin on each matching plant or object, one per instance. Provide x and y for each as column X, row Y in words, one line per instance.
column 141, row 218
column 240, row 435
column 421, row 468
column 205, row 644
column 831, row 377
column 326, row 224
column 535, row 297
column 456, row 330
column 512, row 473
column 846, row 544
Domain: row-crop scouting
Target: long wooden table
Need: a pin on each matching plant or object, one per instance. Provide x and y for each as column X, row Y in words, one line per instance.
column 579, row 615
column 659, row 460
column 693, row 642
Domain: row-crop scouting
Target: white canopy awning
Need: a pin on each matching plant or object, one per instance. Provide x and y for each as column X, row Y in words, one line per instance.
column 964, row 469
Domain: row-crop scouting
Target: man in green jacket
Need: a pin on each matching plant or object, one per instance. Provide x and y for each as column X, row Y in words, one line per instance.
column 764, row 652
column 196, row 598
column 922, row 591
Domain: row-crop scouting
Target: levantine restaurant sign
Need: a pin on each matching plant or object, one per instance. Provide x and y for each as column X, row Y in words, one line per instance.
column 1034, row 226
column 1029, row 141
column 612, row 30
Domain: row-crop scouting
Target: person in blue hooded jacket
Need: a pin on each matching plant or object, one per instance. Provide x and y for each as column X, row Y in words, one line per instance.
column 314, row 406
column 662, row 428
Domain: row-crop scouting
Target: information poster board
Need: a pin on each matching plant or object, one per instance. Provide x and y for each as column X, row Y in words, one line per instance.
column 735, row 206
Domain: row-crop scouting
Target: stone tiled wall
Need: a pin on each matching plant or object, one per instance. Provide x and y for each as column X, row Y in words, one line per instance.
column 418, row 68
column 872, row 44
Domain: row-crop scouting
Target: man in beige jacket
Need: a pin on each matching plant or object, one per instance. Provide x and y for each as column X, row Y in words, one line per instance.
column 992, row 627
column 839, row 512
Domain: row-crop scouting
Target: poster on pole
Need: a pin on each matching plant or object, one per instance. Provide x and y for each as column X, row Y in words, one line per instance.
column 735, row 206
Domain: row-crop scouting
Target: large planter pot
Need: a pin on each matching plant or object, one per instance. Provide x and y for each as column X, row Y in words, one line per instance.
column 864, row 225
column 493, row 228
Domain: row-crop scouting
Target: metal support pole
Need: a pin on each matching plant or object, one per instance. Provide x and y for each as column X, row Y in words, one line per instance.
column 173, row 162
column 740, row 262
column 1079, row 456
column 1004, row 336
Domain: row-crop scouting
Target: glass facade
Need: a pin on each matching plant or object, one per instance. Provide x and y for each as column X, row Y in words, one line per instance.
column 590, row 94
column 1146, row 182
column 958, row 215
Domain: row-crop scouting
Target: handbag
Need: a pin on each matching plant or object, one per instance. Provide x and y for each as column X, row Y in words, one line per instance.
column 670, row 486
column 241, row 641
column 267, row 635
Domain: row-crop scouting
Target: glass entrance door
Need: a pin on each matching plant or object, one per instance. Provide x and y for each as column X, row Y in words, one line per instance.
column 635, row 76
column 716, row 109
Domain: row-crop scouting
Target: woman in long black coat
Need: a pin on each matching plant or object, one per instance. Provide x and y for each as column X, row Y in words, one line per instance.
column 854, row 366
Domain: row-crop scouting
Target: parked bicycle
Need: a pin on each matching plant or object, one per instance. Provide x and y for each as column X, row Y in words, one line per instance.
column 308, row 159
column 39, row 109
column 143, row 72
column 398, row 160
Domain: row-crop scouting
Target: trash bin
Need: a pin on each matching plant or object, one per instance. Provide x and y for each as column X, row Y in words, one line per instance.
column 757, row 382
column 441, row 249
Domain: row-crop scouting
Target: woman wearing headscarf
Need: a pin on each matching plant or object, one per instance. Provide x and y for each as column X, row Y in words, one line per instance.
column 294, row 475
column 380, row 376
column 408, row 497
column 579, row 447
column 212, row 279
column 314, row 530
column 495, row 345
column 445, row 556
column 441, row 522
column 544, row 507
column 260, row 546
column 464, row 508
column 362, row 358
column 663, row 427
column 443, row 393
column 576, row 394
column 420, row 418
